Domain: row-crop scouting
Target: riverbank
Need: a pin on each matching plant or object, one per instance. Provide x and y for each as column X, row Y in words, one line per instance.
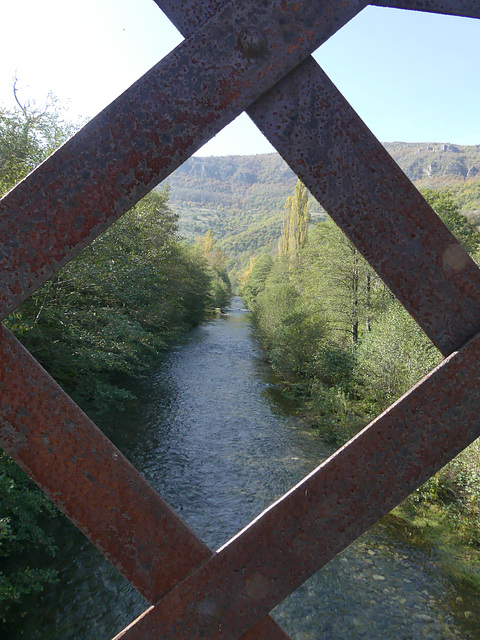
column 432, row 527
column 443, row 515
column 344, row 345
column 436, row 538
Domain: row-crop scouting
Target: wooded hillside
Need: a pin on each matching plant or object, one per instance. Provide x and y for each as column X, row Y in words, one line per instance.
column 241, row 198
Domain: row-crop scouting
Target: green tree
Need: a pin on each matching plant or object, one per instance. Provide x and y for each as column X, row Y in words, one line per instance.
column 221, row 288
column 246, row 271
column 392, row 358
column 336, row 280
column 257, row 278
column 124, row 299
column 23, row 540
column 295, row 224
column 447, row 208
column 28, row 134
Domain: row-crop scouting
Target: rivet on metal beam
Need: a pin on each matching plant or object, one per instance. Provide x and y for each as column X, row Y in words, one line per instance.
column 252, row 43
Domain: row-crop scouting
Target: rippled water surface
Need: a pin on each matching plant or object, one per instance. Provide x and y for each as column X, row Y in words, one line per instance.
column 213, row 437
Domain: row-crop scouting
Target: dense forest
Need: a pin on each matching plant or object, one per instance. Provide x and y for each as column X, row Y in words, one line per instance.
column 347, row 349
column 104, row 318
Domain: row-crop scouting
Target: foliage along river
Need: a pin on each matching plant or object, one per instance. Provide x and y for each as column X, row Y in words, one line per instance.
column 215, row 437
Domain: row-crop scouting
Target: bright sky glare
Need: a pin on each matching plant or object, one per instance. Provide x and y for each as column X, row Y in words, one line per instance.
column 411, row 76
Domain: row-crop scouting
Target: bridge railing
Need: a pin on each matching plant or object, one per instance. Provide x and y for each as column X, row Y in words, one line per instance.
column 254, row 56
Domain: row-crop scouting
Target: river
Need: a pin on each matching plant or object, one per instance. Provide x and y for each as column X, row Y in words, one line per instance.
column 215, row 436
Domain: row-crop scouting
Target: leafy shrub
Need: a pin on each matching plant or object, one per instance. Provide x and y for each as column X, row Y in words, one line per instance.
column 22, row 537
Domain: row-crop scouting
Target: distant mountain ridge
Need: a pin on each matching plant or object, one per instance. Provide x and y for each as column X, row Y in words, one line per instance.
column 434, row 164
column 241, row 198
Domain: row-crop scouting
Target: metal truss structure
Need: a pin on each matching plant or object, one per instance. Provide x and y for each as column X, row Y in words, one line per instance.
column 254, row 56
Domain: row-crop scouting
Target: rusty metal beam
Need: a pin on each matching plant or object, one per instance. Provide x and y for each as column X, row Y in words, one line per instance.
column 90, row 480
column 189, row 14
column 349, row 172
column 325, row 512
column 258, row 578
column 465, row 8
column 362, row 188
column 151, row 129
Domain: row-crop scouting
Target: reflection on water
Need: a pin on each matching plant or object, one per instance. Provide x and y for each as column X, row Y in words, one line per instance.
column 211, row 436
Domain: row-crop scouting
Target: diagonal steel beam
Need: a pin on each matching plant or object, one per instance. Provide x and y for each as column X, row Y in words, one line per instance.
column 465, row 8
column 211, row 600
column 189, row 14
column 208, row 609
column 363, row 189
column 151, row 129
column 90, row 480
column 327, row 511
column 349, row 172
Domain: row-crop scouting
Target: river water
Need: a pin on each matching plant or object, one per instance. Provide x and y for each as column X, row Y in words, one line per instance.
column 213, row 434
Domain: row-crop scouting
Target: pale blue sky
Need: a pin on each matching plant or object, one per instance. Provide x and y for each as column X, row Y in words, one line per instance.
column 411, row 76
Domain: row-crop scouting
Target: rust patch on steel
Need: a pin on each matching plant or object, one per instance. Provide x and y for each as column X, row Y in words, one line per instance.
column 328, row 510
column 149, row 131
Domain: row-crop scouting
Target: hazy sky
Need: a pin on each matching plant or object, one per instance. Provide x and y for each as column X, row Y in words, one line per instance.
column 411, row 76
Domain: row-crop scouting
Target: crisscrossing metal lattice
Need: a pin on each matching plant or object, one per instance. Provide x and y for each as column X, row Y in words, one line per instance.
column 239, row 55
